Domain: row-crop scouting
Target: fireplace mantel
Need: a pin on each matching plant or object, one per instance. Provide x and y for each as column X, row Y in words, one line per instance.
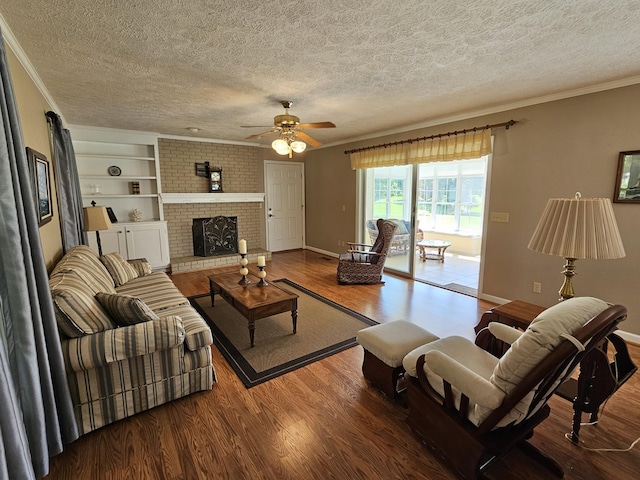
column 211, row 197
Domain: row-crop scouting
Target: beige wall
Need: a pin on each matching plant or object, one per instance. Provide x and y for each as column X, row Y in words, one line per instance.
column 31, row 108
column 558, row 148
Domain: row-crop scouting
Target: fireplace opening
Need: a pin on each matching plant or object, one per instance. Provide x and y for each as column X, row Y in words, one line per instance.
column 215, row 236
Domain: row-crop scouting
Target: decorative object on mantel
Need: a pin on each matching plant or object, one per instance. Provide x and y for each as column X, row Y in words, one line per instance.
column 577, row 228
column 135, row 215
column 215, row 180
column 244, row 271
column 202, row 169
column 262, row 274
column 135, row 188
column 114, row 171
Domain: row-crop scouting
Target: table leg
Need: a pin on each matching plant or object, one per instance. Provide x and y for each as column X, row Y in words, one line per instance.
column 294, row 319
column 422, row 254
column 252, row 332
column 212, row 293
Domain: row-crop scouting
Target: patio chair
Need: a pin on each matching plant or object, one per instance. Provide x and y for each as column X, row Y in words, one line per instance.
column 472, row 408
column 364, row 263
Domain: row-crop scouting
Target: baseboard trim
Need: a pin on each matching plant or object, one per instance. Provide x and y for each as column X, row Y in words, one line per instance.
column 629, row 337
column 323, row 252
column 493, row 299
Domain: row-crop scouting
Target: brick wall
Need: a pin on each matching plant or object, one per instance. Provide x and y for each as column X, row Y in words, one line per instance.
column 242, row 172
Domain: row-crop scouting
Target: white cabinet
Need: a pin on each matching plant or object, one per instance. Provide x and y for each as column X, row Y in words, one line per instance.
column 136, row 240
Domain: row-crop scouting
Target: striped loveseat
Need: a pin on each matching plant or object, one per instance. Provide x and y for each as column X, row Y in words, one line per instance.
column 131, row 341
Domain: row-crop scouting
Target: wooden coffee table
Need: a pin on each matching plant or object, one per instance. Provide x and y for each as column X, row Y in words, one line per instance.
column 251, row 301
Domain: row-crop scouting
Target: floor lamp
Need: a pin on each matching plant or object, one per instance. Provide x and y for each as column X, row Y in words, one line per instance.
column 576, row 228
column 96, row 219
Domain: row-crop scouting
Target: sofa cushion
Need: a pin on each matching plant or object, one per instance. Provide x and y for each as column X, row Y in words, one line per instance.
column 125, row 310
column 156, row 290
column 85, row 263
column 118, row 268
column 79, row 313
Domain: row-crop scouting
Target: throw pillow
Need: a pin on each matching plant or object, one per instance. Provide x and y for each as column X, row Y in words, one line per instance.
column 119, row 268
column 125, row 310
column 79, row 314
column 142, row 266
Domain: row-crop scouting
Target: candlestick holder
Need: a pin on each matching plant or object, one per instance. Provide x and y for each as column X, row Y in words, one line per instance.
column 262, row 274
column 244, row 271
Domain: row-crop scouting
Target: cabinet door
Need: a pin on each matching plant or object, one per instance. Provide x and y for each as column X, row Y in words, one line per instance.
column 149, row 241
column 112, row 240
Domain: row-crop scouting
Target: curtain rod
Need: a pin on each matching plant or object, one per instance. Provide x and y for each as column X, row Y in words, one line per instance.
column 438, row 135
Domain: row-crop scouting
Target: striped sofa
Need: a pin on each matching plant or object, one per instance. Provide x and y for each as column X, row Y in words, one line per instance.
column 131, row 341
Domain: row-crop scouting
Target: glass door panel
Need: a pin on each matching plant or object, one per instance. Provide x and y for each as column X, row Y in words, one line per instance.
column 388, row 194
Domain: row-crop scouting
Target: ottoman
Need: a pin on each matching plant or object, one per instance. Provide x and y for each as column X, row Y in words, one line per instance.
column 385, row 346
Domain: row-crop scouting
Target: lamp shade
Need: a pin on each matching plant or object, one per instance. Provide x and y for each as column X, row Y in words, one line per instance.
column 96, row 218
column 298, row 146
column 280, row 146
column 578, row 228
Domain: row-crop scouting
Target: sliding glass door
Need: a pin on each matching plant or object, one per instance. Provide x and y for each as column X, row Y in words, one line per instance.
column 388, row 194
column 448, row 201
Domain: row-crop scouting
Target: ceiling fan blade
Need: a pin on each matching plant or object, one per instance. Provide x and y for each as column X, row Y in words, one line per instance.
column 316, row 125
column 258, row 135
column 255, row 126
column 310, row 140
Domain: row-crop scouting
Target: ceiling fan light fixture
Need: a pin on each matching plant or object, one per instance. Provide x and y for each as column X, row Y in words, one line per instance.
column 298, row 146
column 280, row 146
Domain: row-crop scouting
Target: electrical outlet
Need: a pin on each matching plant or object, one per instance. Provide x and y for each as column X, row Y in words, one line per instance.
column 537, row 287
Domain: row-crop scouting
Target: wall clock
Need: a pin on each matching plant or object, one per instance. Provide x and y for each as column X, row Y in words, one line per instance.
column 215, row 180
column 114, row 170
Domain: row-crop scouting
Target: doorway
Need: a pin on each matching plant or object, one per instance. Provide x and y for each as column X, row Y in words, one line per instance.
column 284, row 194
column 437, row 204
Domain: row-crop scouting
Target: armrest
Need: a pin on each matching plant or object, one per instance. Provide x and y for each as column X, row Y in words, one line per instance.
column 353, row 244
column 504, row 332
column 98, row 349
column 478, row 389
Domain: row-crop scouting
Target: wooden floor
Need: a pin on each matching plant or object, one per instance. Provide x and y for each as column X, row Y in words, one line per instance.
column 323, row 421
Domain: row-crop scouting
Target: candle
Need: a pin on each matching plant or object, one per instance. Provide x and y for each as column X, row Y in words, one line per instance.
column 242, row 246
column 261, row 261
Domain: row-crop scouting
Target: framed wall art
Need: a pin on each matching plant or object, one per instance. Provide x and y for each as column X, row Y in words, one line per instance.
column 39, row 166
column 628, row 178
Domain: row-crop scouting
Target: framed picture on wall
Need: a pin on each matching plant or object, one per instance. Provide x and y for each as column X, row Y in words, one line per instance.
column 628, row 178
column 39, row 166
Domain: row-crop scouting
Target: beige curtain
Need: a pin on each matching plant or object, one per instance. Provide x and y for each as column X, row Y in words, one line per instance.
column 463, row 146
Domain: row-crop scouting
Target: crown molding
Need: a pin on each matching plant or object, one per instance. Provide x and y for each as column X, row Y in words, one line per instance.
column 212, row 140
column 17, row 50
column 601, row 87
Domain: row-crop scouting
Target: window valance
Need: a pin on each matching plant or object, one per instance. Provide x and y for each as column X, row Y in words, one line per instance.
column 445, row 147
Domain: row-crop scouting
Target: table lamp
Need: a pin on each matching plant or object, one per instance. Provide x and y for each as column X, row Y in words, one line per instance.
column 96, row 219
column 576, row 228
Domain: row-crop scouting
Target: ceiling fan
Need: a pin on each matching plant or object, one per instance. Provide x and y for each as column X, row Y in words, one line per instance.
column 291, row 138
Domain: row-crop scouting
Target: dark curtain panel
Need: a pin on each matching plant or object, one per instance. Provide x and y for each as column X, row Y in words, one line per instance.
column 36, row 412
column 68, row 184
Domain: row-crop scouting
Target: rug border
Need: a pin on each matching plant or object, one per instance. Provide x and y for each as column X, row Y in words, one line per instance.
column 242, row 368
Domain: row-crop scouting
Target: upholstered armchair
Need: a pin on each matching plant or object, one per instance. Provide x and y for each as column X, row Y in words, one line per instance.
column 401, row 241
column 472, row 408
column 364, row 263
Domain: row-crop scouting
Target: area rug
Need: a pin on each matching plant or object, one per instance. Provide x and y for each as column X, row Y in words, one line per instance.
column 324, row 328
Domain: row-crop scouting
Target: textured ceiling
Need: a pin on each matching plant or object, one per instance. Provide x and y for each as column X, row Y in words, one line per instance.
column 368, row 66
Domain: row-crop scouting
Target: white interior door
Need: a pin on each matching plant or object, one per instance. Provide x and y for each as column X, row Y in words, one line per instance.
column 285, row 206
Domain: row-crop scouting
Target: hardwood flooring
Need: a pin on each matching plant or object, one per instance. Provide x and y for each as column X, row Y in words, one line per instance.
column 323, row 421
